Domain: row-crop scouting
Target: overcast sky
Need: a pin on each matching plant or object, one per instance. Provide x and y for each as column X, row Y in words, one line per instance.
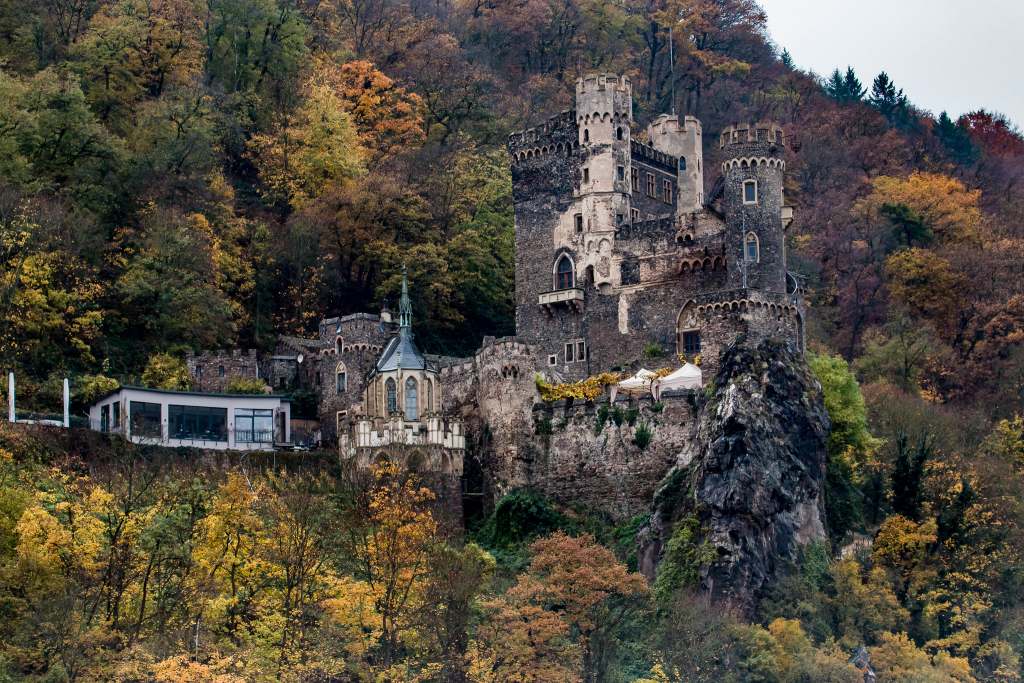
column 945, row 54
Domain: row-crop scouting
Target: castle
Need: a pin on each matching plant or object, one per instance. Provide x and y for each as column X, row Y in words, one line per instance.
column 622, row 258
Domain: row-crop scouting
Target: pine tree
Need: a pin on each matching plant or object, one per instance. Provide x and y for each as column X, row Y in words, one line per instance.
column 908, row 476
column 844, row 88
column 889, row 101
column 787, row 59
column 955, row 139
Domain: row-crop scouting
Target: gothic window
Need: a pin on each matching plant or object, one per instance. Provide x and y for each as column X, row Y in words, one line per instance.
column 635, row 173
column 565, row 277
column 411, row 407
column 341, row 379
column 650, row 185
column 392, row 396
column 429, row 405
column 750, row 192
column 691, row 343
column 338, row 344
column 586, row 135
column 619, row 134
column 751, row 248
column 682, row 163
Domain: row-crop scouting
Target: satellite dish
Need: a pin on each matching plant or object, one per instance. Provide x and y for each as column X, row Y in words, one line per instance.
column 299, row 358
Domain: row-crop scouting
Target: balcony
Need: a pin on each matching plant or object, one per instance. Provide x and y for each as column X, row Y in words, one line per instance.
column 568, row 297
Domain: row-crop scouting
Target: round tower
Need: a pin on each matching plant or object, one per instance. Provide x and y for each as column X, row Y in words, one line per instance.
column 604, row 106
column 753, row 170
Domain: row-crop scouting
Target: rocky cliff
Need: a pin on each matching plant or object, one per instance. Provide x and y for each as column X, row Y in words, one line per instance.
column 754, row 473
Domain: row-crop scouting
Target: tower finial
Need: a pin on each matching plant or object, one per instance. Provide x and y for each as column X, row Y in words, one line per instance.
column 405, row 305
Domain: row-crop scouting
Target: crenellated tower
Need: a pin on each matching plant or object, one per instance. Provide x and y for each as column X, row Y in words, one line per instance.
column 684, row 141
column 752, row 202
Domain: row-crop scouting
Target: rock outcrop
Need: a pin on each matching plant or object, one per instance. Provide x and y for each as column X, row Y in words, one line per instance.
column 753, row 475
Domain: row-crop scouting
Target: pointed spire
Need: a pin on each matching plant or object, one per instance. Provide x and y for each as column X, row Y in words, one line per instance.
column 405, row 305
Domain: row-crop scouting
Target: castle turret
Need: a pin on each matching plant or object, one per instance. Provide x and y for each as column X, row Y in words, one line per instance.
column 685, row 141
column 753, row 169
column 604, row 105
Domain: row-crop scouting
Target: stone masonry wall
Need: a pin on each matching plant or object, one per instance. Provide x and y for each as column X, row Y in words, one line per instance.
column 573, row 459
column 212, row 370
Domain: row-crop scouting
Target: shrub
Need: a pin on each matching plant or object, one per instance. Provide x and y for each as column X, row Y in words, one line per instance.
column 246, row 385
column 631, row 416
column 602, row 419
column 653, row 350
column 542, row 427
column 642, row 437
column 685, row 554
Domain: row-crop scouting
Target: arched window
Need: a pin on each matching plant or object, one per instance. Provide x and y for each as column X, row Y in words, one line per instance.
column 565, row 278
column 586, row 135
column 751, row 249
column 619, row 134
column 340, row 379
column 429, row 406
column 338, row 344
column 411, row 408
column 682, row 163
column 392, row 396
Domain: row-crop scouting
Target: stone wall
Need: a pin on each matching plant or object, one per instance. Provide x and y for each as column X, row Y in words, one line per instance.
column 212, row 370
column 573, row 458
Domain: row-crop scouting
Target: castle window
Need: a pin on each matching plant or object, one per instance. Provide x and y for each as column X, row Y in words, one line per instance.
column 586, row 135
column 340, row 379
column 564, row 273
column 634, row 214
column 429, row 405
column 650, row 185
column 552, row 360
column 682, row 163
column 199, row 373
column 411, row 406
column 586, row 175
column 619, row 135
column 751, row 248
column 392, row 396
column 570, row 349
column 620, row 173
column 340, row 419
column 691, row 343
column 220, row 370
column 579, row 222
column 619, row 218
column 750, row 192
column 666, row 190
column 635, row 173
column 581, row 350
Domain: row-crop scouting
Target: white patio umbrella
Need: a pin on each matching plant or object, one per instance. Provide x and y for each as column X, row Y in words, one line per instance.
column 637, row 385
column 687, row 377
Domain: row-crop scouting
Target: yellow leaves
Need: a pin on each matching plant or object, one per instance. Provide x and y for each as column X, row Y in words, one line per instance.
column 939, row 204
column 923, row 281
column 901, row 542
column 897, row 658
column 587, row 389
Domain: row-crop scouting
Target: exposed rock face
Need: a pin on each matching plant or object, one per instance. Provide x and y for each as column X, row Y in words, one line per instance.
column 753, row 474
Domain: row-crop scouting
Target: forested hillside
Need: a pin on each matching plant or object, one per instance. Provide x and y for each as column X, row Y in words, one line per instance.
column 196, row 174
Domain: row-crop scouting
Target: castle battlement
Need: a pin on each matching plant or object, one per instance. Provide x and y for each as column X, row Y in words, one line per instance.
column 742, row 135
column 652, row 156
column 603, row 82
column 539, row 133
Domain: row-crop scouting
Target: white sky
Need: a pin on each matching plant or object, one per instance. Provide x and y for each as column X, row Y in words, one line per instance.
column 945, row 54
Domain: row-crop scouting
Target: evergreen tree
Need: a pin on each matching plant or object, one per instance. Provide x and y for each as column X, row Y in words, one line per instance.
column 787, row 59
column 844, row 88
column 889, row 101
column 908, row 476
column 955, row 139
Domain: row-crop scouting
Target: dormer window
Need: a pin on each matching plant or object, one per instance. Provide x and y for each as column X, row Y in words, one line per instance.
column 565, row 276
column 750, row 192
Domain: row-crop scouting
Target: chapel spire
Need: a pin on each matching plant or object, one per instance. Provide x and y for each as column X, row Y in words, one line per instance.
column 405, row 305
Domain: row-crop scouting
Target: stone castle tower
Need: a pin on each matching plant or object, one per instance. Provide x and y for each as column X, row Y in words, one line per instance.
column 620, row 254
